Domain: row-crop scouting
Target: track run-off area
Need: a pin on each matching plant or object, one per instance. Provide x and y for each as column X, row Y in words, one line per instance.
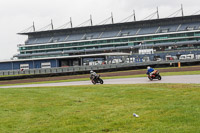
column 188, row 79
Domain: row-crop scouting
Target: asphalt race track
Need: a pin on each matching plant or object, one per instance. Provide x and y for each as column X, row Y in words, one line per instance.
column 143, row 80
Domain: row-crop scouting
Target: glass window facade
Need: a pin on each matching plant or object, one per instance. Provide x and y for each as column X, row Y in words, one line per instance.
column 159, row 38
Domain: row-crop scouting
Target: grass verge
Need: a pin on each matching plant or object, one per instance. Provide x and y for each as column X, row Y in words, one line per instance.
column 173, row 108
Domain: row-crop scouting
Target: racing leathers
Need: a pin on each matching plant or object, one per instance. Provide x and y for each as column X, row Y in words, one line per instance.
column 94, row 75
column 150, row 71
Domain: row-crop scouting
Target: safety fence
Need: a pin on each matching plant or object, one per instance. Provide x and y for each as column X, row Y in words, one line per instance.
column 88, row 68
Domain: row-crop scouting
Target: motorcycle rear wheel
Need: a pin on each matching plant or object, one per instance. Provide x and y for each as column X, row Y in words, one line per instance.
column 159, row 77
column 100, row 81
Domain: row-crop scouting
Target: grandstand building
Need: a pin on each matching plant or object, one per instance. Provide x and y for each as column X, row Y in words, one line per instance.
column 128, row 42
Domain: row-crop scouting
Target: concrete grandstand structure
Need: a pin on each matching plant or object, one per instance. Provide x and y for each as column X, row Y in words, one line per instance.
column 158, row 40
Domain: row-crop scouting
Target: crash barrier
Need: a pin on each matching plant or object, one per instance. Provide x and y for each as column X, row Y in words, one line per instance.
column 88, row 68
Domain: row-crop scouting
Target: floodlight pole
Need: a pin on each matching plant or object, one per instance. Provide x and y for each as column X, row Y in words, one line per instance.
column 112, row 18
column 71, row 22
column 157, row 13
column 33, row 27
column 182, row 9
column 91, row 19
column 134, row 15
column 51, row 24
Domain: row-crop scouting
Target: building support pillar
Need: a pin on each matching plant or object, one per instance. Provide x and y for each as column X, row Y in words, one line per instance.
column 81, row 61
column 33, row 65
column 12, row 65
column 106, row 59
column 56, row 62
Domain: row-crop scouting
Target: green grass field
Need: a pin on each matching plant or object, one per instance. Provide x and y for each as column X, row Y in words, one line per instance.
column 163, row 108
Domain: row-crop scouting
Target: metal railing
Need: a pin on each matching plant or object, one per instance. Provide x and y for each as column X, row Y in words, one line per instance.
column 88, row 68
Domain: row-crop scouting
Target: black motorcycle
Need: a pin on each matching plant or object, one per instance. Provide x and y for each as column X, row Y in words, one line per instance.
column 155, row 75
column 95, row 80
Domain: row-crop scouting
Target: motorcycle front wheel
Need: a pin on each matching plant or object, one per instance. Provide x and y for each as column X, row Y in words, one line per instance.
column 150, row 78
column 93, row 82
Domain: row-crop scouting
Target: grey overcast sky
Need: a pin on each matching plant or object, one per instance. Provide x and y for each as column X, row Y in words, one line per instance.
column 17, row 15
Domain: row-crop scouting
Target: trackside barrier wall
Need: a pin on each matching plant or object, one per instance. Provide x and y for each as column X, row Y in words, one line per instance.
column 88, row 68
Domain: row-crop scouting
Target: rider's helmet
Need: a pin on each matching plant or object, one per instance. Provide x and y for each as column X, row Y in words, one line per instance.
column 148, row 67
column 91, row 71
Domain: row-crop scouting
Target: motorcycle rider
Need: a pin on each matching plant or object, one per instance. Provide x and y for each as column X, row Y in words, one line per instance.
column 93, row 75
column 150, row 71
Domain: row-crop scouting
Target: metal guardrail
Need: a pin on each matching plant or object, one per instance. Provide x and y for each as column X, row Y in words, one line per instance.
column 88, row 68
